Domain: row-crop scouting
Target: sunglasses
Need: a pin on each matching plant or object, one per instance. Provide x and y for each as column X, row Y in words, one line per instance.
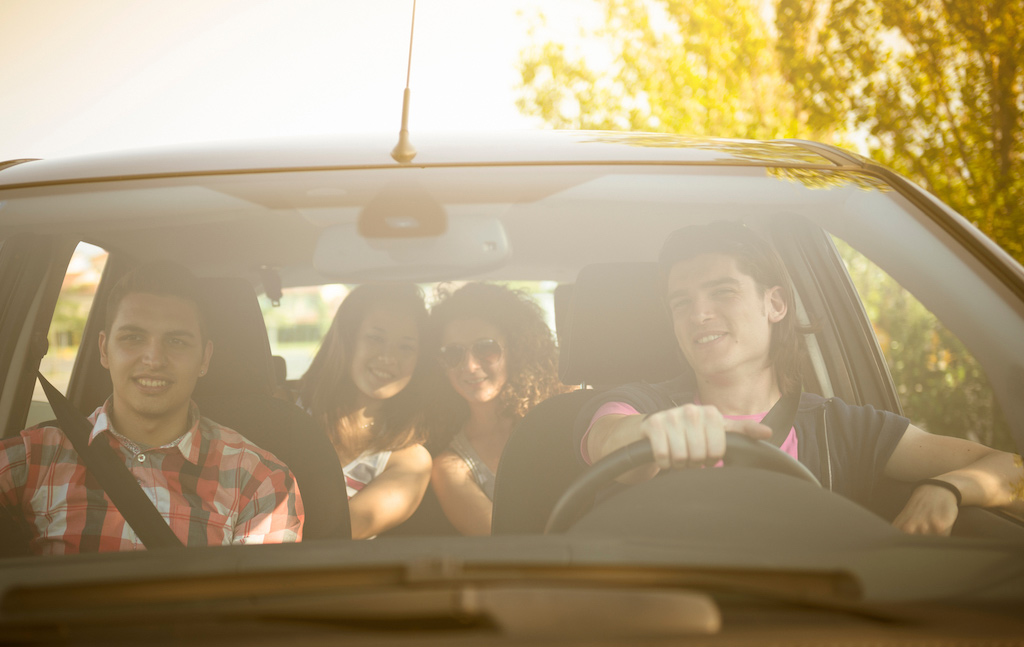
column 486, row 351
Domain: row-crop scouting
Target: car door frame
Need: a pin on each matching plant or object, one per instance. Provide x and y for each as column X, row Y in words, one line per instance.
column 32, row 270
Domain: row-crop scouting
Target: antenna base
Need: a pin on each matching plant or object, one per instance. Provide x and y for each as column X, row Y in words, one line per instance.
column 404, row 151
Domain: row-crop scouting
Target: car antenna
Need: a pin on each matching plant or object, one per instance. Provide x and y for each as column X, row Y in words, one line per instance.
column 403, row 152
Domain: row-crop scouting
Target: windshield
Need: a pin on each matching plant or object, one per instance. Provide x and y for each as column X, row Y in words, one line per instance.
column 471, row 335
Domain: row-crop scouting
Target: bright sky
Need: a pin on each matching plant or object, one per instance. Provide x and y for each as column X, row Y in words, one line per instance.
column 91, row 75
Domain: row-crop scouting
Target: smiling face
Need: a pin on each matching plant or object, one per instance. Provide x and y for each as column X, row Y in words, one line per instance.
column 476, row 380
column 722, row 318
column 384, row 353
column 155, row 353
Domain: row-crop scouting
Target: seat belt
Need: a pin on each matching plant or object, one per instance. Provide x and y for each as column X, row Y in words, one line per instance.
column 781, row 418
column 109, row 470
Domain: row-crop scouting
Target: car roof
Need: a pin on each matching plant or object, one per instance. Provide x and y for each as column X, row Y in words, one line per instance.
column 374, row 150
column 286, row 192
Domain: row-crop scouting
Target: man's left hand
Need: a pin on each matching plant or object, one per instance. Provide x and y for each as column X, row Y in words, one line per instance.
column 931, row 510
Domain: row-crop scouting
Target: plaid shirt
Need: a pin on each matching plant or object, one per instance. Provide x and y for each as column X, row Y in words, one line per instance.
column 212, row 486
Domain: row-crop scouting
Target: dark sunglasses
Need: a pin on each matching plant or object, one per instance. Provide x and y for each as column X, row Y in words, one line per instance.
column 486, row 351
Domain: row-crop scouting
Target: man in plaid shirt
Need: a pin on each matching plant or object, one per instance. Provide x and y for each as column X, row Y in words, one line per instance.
column 210, row 484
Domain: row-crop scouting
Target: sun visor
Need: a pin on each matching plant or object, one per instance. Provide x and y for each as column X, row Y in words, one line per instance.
column 467, row 245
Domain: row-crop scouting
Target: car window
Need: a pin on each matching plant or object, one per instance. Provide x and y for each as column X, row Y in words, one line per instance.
column 941, row 386
column 297, row 322
column 65, row 336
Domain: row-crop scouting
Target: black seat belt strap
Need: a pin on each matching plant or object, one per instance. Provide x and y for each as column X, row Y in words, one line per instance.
column 113, row 476
column 781, row 418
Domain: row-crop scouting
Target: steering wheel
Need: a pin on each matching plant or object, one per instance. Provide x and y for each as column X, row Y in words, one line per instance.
column 740, row 450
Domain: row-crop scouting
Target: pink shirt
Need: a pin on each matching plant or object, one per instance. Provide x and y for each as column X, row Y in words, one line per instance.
column 621, row 408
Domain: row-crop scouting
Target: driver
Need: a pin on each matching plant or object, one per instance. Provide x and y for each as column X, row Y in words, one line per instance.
column 729, row 296
column 210, row 484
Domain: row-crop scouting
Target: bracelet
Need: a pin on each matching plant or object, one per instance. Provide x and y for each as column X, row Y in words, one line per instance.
column 947, row 485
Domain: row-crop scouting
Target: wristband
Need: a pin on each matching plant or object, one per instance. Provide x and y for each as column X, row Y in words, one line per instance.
column 947, row 485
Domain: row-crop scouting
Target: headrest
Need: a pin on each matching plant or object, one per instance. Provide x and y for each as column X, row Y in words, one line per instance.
column 242, row 362
column 619, row 329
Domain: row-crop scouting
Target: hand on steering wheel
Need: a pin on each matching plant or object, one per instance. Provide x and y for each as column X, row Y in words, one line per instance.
column 693, row 435
column 740, row 451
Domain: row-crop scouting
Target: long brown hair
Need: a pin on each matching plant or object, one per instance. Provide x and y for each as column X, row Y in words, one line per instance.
column 756, row 258
column 531, row 354
column 327, row 389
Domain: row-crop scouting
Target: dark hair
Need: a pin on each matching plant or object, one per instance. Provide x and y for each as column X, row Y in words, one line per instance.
column 162, row 278
column 758, row 259
column 531, row 354
column 327, row 389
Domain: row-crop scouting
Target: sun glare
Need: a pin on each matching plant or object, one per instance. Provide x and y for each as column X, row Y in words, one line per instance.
column 123, row 74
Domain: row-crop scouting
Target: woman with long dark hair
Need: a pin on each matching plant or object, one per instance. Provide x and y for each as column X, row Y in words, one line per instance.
column 500, row 360
column 365, row 388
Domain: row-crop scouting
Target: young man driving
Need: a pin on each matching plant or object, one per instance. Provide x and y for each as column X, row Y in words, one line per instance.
column 730, row 298
column 210, row 484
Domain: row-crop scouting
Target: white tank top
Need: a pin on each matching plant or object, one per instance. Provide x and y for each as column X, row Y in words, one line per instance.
column 363, row 469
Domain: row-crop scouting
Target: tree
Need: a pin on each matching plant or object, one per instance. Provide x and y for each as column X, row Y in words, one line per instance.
column 936, row 87
column 705, row 67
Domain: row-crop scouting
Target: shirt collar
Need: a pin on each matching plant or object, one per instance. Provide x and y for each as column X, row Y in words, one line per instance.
column 189, row 444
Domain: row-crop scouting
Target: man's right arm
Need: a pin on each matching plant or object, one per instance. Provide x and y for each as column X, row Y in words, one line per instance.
column 612, row 432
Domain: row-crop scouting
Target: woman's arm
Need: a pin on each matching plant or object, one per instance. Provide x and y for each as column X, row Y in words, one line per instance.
column 392, row 497
column 462, row 500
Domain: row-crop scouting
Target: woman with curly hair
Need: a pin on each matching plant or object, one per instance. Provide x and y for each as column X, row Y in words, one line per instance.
column 500, row 360
column 365, row 389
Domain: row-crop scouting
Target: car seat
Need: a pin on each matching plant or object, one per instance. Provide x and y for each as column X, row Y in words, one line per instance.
column 237, row 392
column 618, row 331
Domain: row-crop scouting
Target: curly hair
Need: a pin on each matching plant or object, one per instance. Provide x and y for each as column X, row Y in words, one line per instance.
column 531, row 354
column 327, row 389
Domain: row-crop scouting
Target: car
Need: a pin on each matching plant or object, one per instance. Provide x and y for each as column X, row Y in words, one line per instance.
column 748, row 554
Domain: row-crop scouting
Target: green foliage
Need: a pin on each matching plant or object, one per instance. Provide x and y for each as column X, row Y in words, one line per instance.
column 936, row 87
column 705, row 67
column 70, row 314
column 941, row 386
